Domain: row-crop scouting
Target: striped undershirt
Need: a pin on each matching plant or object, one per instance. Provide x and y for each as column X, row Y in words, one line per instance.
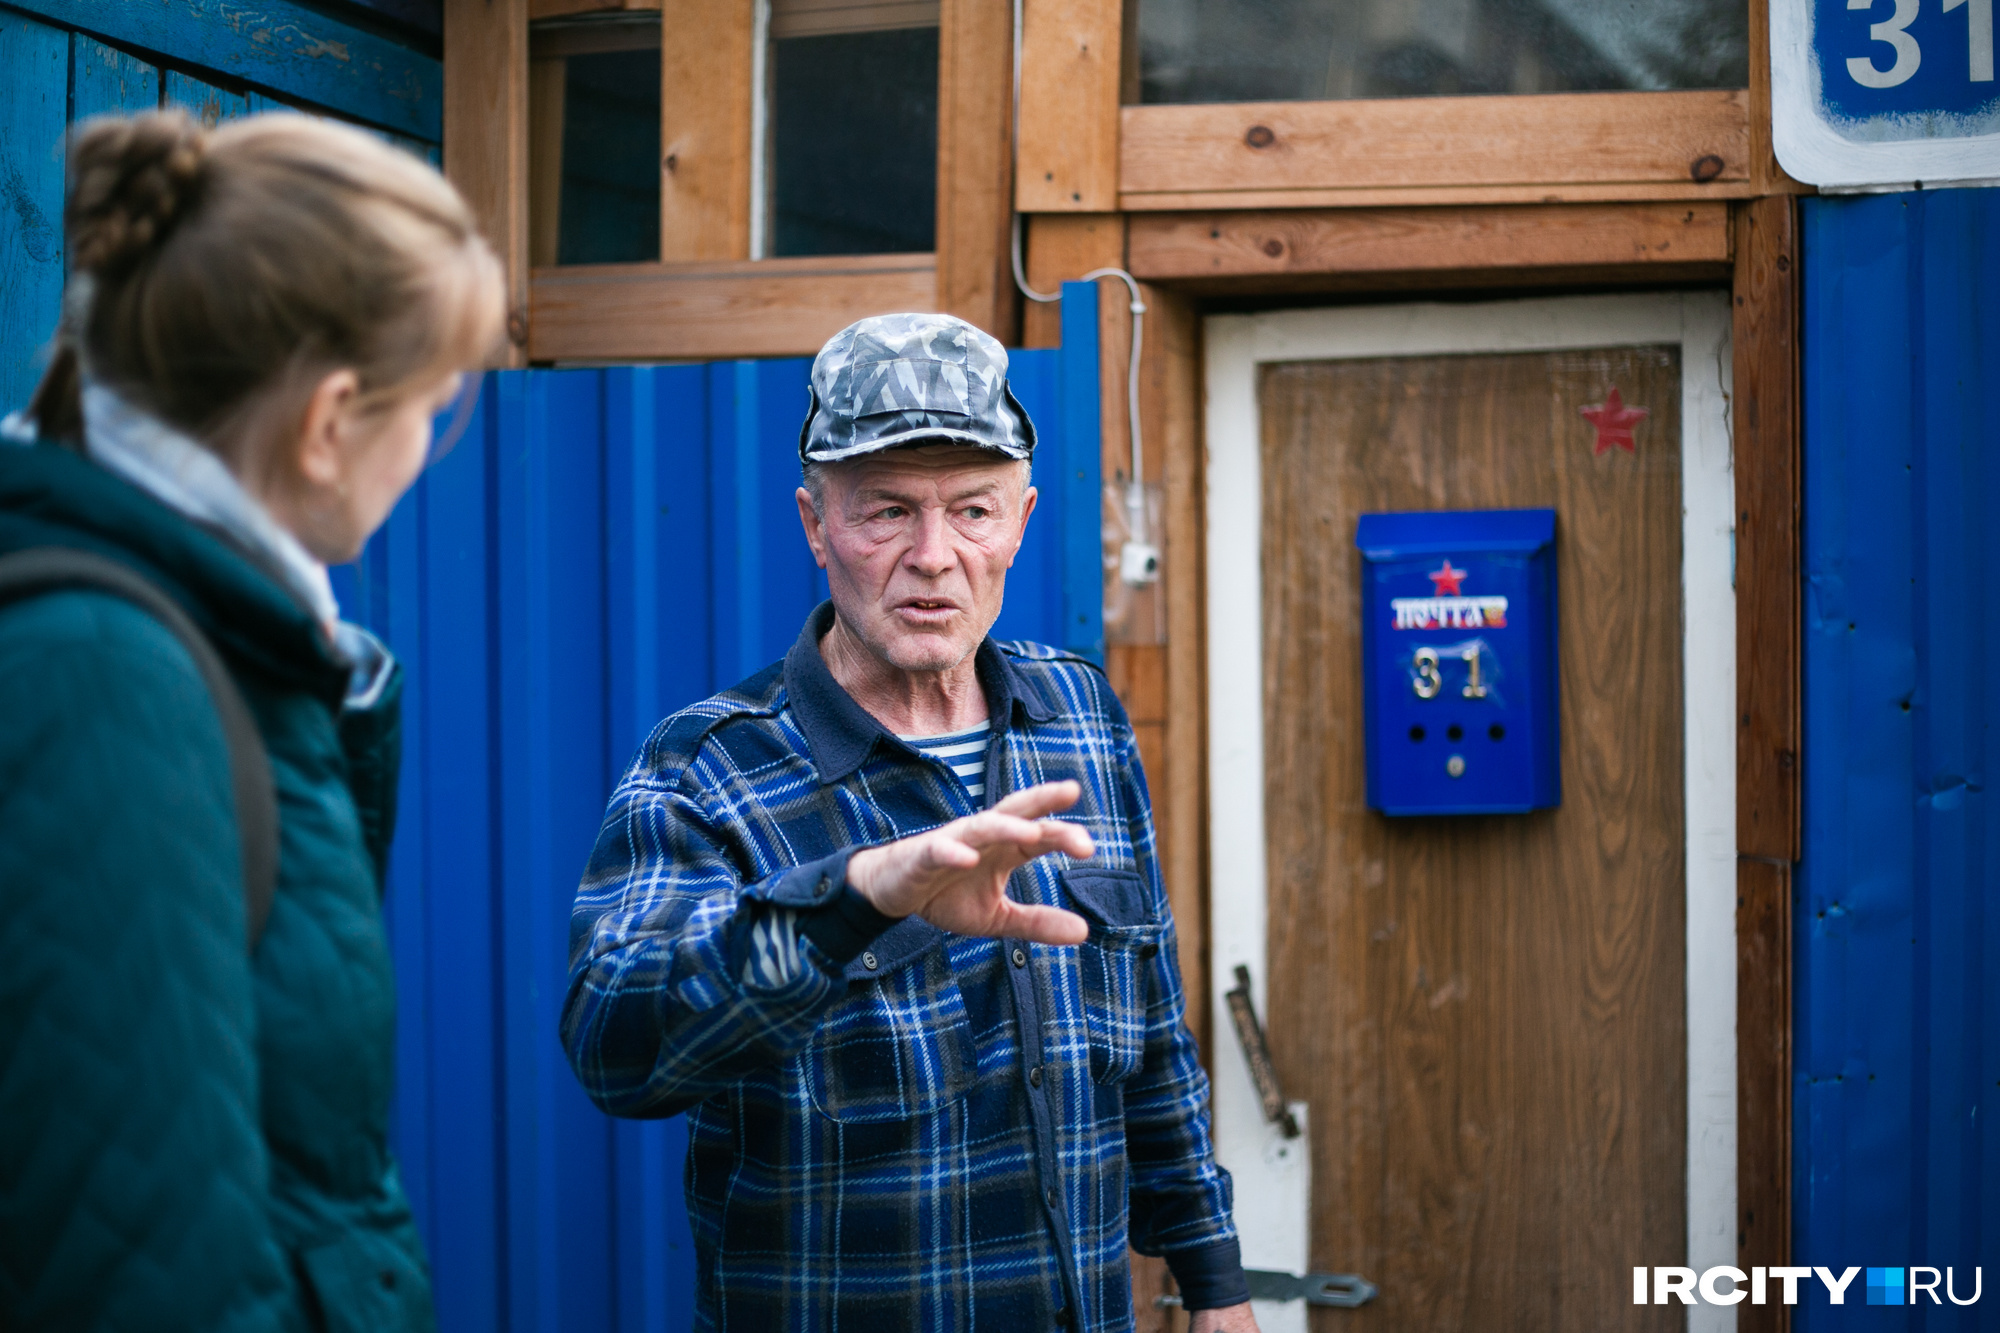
column 963, row 752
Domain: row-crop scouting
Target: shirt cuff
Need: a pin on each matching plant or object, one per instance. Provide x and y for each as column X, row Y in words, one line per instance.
column 844, row 925
column 1210, row 1276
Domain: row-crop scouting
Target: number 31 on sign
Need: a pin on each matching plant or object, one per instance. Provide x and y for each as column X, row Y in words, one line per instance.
column 1885, row 94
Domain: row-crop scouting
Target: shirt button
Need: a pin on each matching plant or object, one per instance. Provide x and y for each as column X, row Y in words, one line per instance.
column 868, row 961
column 1149, row 951
column 1035, row 1077
column 1020, row 958
column 1055, row 1200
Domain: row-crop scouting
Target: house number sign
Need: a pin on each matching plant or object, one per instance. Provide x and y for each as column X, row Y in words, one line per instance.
column 1885, row 94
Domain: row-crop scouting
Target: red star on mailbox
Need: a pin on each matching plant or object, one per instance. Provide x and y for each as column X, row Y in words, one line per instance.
column 1447, row 580
column 1614, row 421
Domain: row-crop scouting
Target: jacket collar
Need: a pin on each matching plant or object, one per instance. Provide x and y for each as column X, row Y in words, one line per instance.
column 841, row 733
column 50, row 496
column 194, row 482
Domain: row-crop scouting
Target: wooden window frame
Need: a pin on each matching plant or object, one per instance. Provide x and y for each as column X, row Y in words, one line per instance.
column 1510, row 149
column 707, row 299
column 1083, row 150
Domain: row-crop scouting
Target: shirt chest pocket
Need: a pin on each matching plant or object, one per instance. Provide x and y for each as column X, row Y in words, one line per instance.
column 1115, row 967
column 894, row 1049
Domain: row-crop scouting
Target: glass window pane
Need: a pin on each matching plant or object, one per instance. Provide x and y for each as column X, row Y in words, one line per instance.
column 853, row 135
column 594, row 140
column 1312, row 50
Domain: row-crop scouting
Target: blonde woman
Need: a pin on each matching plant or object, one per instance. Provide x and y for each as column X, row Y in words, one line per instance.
column 197, row 757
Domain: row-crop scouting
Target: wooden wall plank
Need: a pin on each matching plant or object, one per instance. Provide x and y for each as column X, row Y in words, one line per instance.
column 1170, row 407
column 1163, row 685
column 705, row 111
column 486, row 138
column 1070, row 78
column 1150, row 1281
column 294, row 51
column 975, row 175
column 1411, row 240
column 34, row 69
column 1763, row 1079
column 204, row 101
column 706, row 312
column 1766, row 408
column 1556, row 147
column 1061, row 247
column 104, row 80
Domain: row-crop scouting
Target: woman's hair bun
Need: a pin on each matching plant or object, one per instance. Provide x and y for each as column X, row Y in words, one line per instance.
column 131, row 180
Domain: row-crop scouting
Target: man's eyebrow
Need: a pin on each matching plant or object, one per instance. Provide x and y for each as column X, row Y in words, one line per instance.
column 876, row 492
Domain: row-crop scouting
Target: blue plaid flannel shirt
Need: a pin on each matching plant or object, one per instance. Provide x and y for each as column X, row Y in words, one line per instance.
column 891, row 1127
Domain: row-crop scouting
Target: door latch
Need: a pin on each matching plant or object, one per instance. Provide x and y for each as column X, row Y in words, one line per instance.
column 1344, row 1291
column 1257, row 1054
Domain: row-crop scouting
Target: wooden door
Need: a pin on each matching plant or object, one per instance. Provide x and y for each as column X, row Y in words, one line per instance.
column 1487, row 1015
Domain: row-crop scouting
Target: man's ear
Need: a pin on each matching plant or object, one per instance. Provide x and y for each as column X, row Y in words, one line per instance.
column 810, row 520
column 321, row 449
column 1028, row 498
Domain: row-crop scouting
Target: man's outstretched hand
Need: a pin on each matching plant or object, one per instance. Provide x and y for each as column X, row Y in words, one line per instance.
column 955, row 876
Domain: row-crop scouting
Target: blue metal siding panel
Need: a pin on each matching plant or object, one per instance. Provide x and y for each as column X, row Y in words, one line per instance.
column 294, row 52
column 551, row 769
column 34, row 67
column 448, row 796
column 1083, row 487
column 657, row 558
column 762, row 596
column 1034, row 605
column 792, row 581
column 1897, row 1022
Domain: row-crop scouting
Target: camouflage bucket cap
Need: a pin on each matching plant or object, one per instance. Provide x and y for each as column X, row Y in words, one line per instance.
column 894, row 380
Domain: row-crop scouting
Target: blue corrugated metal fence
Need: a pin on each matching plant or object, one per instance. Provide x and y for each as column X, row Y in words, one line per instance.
column 602, row 548
column 1896, row 1155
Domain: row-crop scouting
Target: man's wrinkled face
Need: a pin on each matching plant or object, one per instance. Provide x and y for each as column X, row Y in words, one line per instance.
column 916, row 544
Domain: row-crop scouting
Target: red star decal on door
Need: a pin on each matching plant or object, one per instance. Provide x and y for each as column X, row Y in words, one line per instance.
column 1614, row 421
column 1447, row 580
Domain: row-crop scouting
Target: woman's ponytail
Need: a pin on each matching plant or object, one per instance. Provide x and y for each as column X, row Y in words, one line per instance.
column 131, row 181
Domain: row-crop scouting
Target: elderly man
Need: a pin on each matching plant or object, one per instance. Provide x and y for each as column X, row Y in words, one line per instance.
column 929, row 1040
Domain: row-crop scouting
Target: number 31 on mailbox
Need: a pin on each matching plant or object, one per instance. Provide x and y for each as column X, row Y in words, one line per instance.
column 1458, row 643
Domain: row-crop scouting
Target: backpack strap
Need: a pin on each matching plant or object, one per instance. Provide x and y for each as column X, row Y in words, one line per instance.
column 47, row 569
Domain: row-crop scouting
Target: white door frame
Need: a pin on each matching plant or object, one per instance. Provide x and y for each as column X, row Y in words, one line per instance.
column 1273, row 1177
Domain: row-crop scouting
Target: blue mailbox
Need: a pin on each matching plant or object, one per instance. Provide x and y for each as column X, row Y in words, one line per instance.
column 1458, row 642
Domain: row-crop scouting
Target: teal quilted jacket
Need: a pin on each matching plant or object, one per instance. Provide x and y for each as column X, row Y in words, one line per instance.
column 192, row 1135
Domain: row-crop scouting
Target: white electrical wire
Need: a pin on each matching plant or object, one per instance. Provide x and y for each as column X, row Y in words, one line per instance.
column 1135, row 492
